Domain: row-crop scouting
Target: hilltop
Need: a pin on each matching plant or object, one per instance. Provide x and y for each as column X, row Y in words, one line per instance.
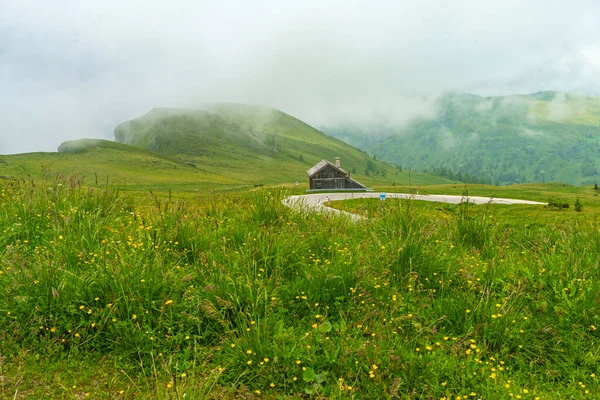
column 541, row 137
column 220, row 145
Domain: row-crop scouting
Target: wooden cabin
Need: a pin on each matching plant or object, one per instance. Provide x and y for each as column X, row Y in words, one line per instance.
column 327, row 176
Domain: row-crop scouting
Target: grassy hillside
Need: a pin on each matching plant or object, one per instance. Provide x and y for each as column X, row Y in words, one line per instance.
column 252, row 143
column 224, row 145
column 542, row 137
column 101, row 162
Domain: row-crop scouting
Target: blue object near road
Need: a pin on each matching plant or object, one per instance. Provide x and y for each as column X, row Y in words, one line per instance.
column 382, row 196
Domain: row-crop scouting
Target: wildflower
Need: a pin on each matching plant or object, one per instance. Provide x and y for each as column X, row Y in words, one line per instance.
column 168, row 302
column 272, row 384
column 249, row 362
column 248, row 351
column 133, row 316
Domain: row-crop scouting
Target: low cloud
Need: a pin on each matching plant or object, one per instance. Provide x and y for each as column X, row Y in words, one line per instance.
column 558, row 109
column 76, row 69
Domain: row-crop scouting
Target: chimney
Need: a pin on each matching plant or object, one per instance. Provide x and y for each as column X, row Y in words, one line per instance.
column 337, row 162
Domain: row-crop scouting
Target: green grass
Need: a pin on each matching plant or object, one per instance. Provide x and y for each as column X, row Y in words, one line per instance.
column 231, row 295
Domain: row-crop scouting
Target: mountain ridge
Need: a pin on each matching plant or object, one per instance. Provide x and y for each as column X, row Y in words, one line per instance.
column 539, row 137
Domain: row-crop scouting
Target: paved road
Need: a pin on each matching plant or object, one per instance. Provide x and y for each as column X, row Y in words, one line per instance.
column 316, row 201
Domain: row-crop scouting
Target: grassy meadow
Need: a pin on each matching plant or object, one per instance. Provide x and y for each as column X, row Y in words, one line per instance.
column 107, row 294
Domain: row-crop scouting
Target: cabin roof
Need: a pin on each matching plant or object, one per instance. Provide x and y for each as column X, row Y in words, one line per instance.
column 322, row 164
column 356, row 182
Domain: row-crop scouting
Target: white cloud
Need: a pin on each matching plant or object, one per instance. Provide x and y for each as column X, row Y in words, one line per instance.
column 591, row 59
column 558, row 108
column 75, row 69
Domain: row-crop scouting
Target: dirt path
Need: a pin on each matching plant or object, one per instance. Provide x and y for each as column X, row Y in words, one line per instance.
column 316, row 201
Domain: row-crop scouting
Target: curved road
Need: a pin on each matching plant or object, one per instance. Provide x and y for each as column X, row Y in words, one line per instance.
column 316, row 201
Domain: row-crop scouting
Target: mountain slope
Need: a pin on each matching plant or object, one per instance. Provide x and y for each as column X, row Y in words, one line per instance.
column 545, row 136
column 251, row 143
column 221, row 146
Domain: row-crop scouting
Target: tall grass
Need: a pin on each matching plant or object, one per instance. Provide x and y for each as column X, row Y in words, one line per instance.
column 233, row 295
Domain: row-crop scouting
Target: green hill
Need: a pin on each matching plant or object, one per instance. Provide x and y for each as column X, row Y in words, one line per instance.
column 252, row 143
column 224, row 146
column 542, row 137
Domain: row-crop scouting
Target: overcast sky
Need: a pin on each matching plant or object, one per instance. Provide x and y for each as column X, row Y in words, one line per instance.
column 74, row 69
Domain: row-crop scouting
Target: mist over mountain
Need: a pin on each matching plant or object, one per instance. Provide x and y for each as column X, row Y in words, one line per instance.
column 542, row 137
column 70, row 70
